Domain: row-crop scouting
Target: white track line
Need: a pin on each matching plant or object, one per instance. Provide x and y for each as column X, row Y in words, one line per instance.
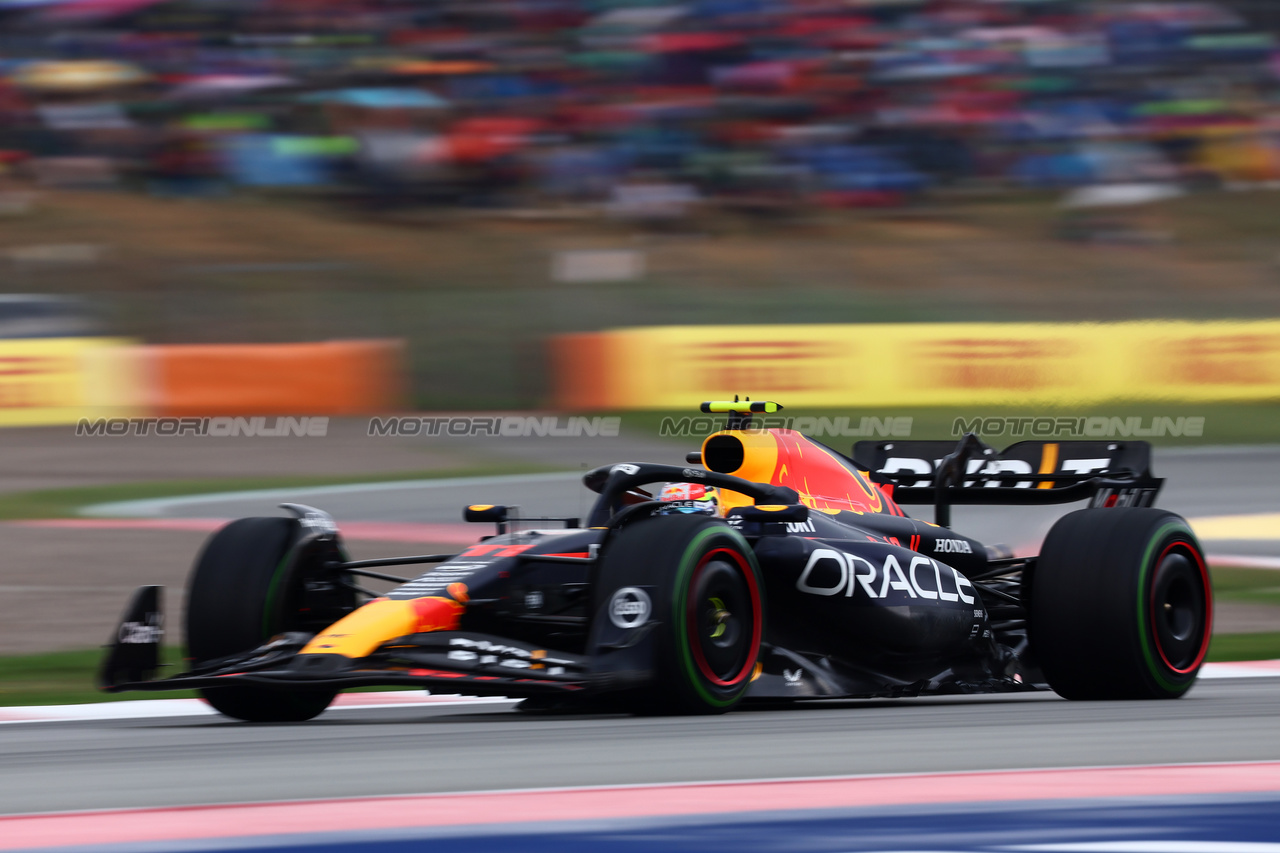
column 1242, row 669
column 1242, row 561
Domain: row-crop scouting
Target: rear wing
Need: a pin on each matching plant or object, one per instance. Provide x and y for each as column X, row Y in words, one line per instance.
column 944, row 473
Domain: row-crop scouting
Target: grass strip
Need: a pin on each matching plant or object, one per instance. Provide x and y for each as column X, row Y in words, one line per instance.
column 67, row 678
column 1255, row 586
column 1229, row 647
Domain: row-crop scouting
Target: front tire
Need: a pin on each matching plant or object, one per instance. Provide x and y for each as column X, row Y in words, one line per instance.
column 242, row 591
column 1120, row 605
column 707, row 601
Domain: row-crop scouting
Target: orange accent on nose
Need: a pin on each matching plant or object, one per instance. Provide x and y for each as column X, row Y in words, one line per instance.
column 437, row 614
column 360, row 632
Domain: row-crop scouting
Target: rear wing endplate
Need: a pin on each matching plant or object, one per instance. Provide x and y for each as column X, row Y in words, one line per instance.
column 1029, row 473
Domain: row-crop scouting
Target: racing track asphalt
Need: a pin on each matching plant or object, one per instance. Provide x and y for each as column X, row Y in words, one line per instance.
column 159, row 762
column 179, row 761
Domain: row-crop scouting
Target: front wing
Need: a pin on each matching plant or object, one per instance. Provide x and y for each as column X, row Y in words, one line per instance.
column 476, row 664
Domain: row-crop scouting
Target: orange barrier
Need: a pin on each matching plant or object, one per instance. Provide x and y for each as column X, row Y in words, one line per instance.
column 581, row 371
column 331, row 378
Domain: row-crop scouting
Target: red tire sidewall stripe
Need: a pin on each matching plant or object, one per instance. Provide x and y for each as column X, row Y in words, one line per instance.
column 757, row 622
column 1208, row 606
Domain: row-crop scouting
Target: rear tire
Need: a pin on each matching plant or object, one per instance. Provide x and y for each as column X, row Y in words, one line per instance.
column 707, row 598
column 1120, row 605
column 240, row 594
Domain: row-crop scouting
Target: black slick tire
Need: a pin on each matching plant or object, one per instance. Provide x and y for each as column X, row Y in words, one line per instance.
column 707, row 600
column 237, row 599
column 1120, row 605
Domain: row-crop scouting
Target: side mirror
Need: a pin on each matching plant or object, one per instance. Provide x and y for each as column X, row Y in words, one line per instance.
column 485, row 512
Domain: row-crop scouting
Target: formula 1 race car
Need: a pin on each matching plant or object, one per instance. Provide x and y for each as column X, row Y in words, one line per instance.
column 768, row 567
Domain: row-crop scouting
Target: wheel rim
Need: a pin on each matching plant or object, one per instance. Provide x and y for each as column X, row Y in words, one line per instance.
column 723, row 618
column 1180, row 609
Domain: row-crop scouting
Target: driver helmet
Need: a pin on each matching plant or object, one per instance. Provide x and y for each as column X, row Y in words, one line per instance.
column 690, row 498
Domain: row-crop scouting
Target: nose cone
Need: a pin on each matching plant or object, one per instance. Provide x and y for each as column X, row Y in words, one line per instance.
column 357, row 634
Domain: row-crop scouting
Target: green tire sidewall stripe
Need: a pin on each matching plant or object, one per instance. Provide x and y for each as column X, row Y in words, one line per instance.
column 1145, row 579
column 688, row 561
column 273, row 591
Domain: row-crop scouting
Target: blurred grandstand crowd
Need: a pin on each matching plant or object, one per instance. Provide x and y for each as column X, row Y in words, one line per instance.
column 647, row 108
